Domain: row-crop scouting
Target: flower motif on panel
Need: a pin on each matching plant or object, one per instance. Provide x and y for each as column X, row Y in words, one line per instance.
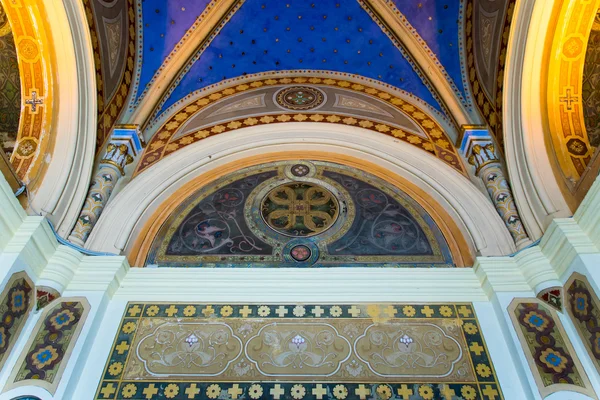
column 547, row 347
column 583, row 306
column 15, row 303
column 53, row 337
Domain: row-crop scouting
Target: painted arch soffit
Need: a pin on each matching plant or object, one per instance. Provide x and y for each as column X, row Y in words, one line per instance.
column 571, row 95
column 112, row 30
column 299, row 214
column 259, row 100
column 285, row 37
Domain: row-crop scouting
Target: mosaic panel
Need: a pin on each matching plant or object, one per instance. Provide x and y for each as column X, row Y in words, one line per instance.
column 16, row 301
column 299, row 214
column 49, row 347
column 298, row 351
column 550, row 355
column 583, row 307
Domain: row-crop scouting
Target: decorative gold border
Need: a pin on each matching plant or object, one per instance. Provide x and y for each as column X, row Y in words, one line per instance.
column 35, row 57
column 163, row 142
column 485, row 384
column 462, row 254
column 563, row 97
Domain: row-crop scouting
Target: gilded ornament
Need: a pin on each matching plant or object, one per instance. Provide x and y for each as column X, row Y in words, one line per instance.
column 300, row 98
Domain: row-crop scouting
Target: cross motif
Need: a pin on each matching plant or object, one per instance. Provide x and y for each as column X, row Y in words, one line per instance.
column 235, row 391
column 465, row 311
column 150, row 391
column 390, row 311
column 319, row 391
column 362, row 391
column 354, row 311
column 208, row 311
column 404, row 391
column 318, row 311
column 277, row 391
column 108, row 390
column 476, row 348
column 134, row 311
column 490, row 392
column 281, row 311
column 192, row 391
column 427, row 311
column 122, row 347
column 447, row 392
column 172, row 310
column 34, row 101
column 245, row 311
column 568, row 100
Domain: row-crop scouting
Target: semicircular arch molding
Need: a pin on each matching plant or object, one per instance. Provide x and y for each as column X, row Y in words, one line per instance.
column 468, row 215
column 574, row 154
column 422, row 128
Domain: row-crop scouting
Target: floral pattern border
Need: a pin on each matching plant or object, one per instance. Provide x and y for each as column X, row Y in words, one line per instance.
column 113, row 386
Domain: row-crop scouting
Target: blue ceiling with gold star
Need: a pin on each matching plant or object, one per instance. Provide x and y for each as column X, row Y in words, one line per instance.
column 328, row 35
column 164, row 24
column 438, row 23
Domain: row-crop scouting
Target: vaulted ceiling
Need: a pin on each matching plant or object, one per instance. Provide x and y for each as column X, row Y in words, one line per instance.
column 442, row 54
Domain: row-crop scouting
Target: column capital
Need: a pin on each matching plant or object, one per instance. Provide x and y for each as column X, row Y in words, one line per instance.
column 477, row 146
column 125, row 143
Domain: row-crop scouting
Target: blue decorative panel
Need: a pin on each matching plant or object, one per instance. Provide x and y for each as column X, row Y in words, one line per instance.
column 164, row 25
column 325, row 35
column 438, row 23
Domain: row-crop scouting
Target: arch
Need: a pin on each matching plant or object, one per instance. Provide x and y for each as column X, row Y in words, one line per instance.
column 440, row 187
column 164, row 139
column 57, row 175
column 574, row 157
column 538, row 195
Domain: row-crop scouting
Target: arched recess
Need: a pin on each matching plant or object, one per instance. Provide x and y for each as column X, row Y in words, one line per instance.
column 54, row 153
column 438, row 186
column 172, row 130
column 538, row 194
column 552, row 116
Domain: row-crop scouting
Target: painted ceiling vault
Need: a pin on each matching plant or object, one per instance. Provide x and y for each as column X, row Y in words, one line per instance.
column 153, row 57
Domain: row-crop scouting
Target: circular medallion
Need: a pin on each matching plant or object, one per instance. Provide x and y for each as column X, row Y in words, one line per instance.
column 26, row 147
column 300, row 98
column 299, row 209
column 300, row 253
column 300, row 170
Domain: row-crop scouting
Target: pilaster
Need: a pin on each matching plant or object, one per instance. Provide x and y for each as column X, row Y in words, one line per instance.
column 125, row 144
